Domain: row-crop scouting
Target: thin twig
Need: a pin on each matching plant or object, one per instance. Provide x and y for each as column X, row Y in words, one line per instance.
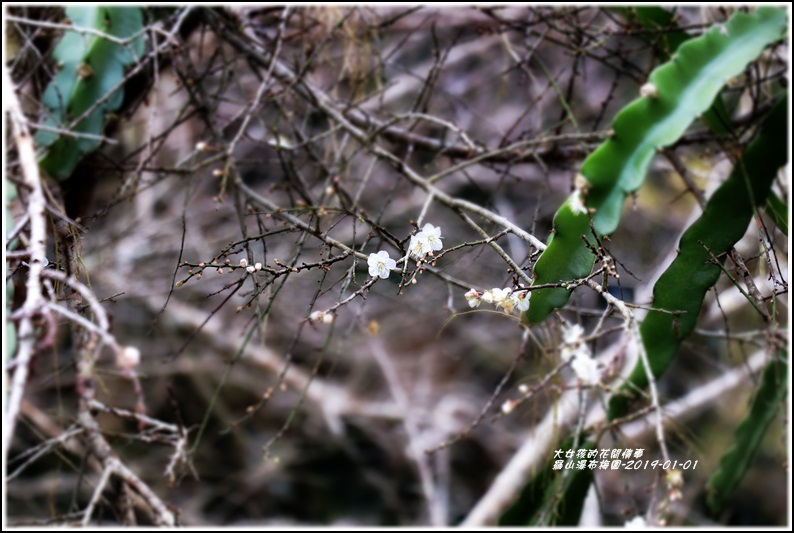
column 37, row 246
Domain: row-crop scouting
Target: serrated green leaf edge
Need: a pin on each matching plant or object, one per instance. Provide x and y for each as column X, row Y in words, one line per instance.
column 69, row 95
column 687, row 85
column 724, row 220
column 747, row 439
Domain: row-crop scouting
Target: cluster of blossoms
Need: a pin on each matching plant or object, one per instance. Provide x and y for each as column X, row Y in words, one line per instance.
column 250, row 268
column 575, row 350
column 425, row 242
column 323, row 317
column 500, row 298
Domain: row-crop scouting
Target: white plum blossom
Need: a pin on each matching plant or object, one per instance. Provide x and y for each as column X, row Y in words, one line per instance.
column 243, row 262
column 500, row 295
column 508, row 304
column 520, row 300
column 572, row 334
column 426, row 241
column 380, row 264
column 419, row 246
column 500, row 298
column 586, row 369
column 251, row 269
column 573, row 351
column 576, row 351
column 496, row 296
column 258, row 267
column 503, row 298
column 474, row 298
column 322, row 316
column 129, row 357
column 433, row 236
column 573, row 345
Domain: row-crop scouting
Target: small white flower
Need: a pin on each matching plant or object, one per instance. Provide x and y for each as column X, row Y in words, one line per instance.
column 129, row 357
column 202, row 146
column 433, row 236
column 474, row 298
column 637, row 522
column 380, row 264
column 419, row 245
column 649, row 90
column 573, row 344
column 321, row 316
column 521, row 300
column 572, row 334
column 499, row 295
column 524, row 388
column 508, row 406
column 250, row 269
column 586, row 369
column 576, row 204
column 502, row 298
column 243, row 262
column 258, row 267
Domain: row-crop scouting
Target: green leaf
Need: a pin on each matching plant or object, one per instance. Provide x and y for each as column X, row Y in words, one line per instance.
column 687, row 85
column 683, row 286
column 733, row 465
column 90, row 70
column 667, row 42
column 778, row 212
